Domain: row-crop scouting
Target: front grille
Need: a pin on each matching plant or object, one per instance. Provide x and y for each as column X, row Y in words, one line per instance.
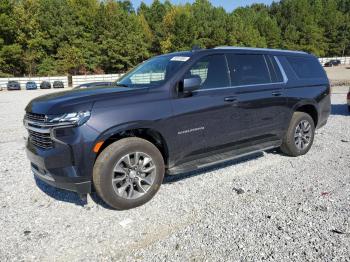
column 39, row 133
column 35, row 117
column 42, row 140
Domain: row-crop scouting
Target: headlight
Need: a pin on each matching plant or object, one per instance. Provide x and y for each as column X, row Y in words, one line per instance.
column 75, row 119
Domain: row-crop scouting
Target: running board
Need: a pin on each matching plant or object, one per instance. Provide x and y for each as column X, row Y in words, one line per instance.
column 216, row 159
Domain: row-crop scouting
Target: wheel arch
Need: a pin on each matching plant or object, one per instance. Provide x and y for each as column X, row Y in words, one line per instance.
column 310, row 109
column 150, row 134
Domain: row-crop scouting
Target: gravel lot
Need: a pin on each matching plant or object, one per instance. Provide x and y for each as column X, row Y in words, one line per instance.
column 265, row 207
column 339, row 75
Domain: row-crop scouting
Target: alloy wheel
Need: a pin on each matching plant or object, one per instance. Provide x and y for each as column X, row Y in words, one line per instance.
column 303, row 135
column 134, row 174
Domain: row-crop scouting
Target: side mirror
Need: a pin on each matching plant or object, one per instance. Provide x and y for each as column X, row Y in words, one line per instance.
column 191, row 84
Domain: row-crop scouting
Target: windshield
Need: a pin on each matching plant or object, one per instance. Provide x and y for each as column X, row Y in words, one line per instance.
column 153, row 72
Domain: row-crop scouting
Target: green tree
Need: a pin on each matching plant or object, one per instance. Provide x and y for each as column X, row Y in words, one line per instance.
column 210, row 24
column 11, row 59
column 70, row 59
column 154, row 15
column 179, row 30
column 121, row 38
column 242, row 30
column 45, row 37
column 10, row 52
column 267, row 25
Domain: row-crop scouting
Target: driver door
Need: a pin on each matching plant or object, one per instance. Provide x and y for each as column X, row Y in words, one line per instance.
column 202, row 119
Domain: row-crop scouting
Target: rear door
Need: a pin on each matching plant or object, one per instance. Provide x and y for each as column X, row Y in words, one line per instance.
column 261, row 104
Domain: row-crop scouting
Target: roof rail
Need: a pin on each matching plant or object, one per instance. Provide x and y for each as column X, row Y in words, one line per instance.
column 258, row 49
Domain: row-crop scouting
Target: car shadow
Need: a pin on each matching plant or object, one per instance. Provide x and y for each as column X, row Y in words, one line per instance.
column 74, row 198
column 69, row 196
column 59, row 194
column 340, row 109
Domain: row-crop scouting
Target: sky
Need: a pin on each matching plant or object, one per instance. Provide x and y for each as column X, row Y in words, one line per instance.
column 227, row 4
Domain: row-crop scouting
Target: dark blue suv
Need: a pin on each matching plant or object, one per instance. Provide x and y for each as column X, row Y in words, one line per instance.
column 176, row 113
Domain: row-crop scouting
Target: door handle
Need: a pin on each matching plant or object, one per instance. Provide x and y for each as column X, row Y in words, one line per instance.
column 277, row 93
column 231, row 99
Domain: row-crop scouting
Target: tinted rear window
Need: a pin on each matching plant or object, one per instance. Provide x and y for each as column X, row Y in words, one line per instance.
column 248, row 69
column 306, row 68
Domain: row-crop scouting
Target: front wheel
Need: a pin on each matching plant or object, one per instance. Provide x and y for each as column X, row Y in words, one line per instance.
column 300, row 135
column 128, row 173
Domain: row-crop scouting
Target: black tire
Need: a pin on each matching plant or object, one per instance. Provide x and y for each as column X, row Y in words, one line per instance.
column 349, row 109
column 289, row 146
column 103, row 171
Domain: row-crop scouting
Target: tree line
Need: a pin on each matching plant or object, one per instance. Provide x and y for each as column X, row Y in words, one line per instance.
column 49, row 37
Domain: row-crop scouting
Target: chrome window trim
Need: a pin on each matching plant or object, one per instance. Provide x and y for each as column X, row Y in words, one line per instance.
column 232, row 87
column 267, row 67
column 285, row 78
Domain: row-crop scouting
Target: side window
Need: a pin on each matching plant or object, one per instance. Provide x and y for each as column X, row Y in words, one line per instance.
column 212, row 70
column 306, row 68
column 248, row 69
column 275, row 71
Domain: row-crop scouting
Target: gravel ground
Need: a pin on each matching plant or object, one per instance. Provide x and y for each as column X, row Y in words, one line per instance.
column 339, row 75
column 265, row 207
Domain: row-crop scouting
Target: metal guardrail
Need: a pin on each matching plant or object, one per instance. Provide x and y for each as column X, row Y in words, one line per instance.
column 84, row 79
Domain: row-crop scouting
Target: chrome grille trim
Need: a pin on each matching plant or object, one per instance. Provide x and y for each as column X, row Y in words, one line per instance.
column 43, row 146
column 37, row 129
column 35, row 117
column 42, row 140
column 39, row 133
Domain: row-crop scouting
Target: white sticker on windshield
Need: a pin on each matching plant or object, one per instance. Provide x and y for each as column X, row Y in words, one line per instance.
column 180, row 58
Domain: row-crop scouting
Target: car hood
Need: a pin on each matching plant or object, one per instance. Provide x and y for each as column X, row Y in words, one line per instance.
column 77, row 100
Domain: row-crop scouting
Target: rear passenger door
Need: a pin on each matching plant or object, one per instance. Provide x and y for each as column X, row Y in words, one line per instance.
column 261, row 105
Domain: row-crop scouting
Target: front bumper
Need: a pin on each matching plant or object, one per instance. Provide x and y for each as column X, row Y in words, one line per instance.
column 79, row 187
column 67, row 162
column 11, row 88
column 65, row 177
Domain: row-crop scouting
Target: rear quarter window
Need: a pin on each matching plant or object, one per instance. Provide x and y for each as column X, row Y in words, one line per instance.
column 306, row 68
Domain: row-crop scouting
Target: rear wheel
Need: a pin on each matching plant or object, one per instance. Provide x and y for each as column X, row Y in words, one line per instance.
column 128, row 173
column 300, row 135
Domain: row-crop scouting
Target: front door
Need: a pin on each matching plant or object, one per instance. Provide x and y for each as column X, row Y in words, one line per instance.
column 202, row 120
